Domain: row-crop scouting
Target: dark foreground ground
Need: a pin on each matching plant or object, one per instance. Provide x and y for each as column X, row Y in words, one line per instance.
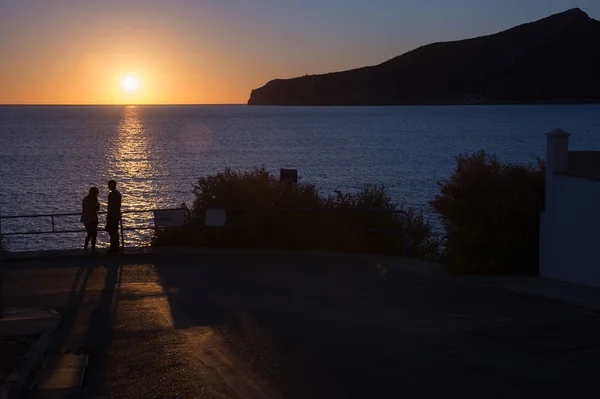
column 276, row 326
column 12, row 349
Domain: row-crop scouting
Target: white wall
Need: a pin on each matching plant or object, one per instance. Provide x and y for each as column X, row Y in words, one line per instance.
column 570, row 231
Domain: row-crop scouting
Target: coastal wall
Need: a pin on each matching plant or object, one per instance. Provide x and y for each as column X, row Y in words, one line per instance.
column 570, row 231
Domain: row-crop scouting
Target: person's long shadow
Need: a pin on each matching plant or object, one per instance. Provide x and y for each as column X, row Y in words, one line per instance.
column 100, row 330
column 73, row 307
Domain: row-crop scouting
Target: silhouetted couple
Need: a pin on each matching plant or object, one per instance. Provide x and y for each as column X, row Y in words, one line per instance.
column 89, row 216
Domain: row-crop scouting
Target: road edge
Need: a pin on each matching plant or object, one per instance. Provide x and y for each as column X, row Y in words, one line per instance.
column 15, row 384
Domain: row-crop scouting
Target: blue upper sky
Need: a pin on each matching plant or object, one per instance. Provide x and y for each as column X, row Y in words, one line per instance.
column 224, row 48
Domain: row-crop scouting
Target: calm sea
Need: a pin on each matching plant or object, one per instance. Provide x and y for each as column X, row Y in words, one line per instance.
column 51, row 155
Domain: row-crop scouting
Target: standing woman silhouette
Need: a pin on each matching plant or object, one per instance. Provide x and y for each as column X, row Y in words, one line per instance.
column 89, row 217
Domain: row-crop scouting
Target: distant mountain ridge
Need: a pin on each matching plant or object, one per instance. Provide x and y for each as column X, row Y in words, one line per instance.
column 555, row 59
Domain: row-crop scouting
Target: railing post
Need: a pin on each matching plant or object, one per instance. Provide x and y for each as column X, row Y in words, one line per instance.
column 122, row 235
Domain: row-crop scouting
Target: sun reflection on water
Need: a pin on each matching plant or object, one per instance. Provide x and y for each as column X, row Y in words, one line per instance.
column 134, row 165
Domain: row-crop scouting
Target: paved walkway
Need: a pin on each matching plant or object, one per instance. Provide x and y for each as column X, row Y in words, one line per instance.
column 250, row 324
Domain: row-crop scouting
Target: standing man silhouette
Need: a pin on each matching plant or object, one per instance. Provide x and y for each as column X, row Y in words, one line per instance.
column 113, row 215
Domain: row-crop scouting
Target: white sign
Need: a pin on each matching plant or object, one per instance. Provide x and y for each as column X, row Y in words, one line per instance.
column 216, row 217
column 169, row 218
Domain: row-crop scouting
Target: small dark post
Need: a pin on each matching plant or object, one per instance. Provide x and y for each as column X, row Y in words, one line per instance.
column 289, row 176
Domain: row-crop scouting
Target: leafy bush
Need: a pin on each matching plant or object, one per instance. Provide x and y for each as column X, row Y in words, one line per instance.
column 265, row 213
column 417, row 235
column 491, row 211
column 257, row 189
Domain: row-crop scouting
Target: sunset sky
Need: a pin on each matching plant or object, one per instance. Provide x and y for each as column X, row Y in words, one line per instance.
column 217, row 51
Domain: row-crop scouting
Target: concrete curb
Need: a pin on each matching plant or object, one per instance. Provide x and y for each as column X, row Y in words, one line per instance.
column 16, row 383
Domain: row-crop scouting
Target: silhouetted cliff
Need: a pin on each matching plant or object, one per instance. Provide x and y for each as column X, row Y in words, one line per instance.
column 556, row 59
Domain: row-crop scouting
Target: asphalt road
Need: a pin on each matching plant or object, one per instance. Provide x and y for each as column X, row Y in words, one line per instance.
column 235, row 326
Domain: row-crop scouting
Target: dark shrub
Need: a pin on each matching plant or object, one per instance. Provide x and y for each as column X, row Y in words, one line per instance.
column 490, row 212
column 265, row 213
column 354, row 218
column 257, row 189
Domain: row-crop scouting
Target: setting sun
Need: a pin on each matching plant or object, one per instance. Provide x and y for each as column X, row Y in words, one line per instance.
column 130, row 83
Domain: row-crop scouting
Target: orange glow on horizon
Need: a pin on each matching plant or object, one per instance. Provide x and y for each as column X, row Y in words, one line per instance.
column 177, row 58
column 123, row 78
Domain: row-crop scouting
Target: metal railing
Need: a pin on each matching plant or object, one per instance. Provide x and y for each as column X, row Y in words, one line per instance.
column 377, row 211
column 52, row 217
